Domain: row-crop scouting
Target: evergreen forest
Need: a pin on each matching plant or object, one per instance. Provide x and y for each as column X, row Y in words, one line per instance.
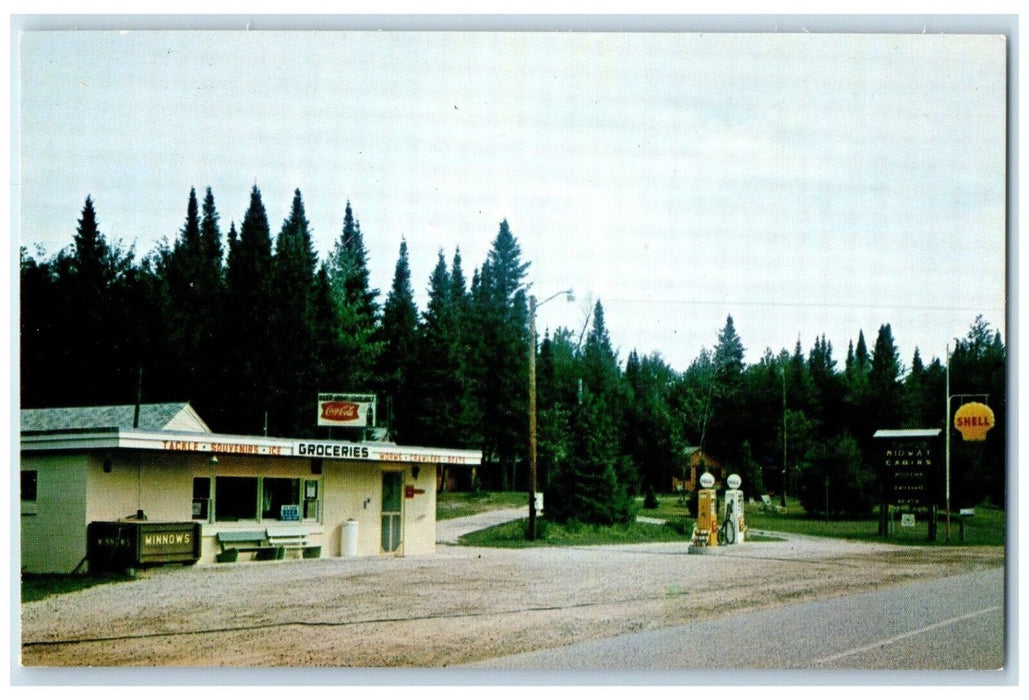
column 249, row 325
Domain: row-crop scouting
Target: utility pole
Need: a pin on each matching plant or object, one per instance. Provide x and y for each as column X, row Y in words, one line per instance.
column 946, row 437
column 139, row 397
column 532, row 405
column 532, row 417
column 783, row 496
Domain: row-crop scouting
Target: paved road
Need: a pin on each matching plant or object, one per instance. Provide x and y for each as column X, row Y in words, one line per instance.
column 448, row 531
column 955, row 623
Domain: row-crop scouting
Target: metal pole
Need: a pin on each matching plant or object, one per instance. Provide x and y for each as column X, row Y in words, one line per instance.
column 946, row 437
column 783, row 498
column 139, row 397
column 826, row 499
column 532, row 418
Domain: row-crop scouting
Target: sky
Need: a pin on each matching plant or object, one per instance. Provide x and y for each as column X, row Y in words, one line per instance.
column 805, row 184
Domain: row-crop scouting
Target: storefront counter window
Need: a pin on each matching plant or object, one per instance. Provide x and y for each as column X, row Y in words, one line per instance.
column 236, row 498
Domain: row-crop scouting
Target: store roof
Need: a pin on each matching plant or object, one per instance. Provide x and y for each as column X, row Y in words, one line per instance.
column 912, row 433
column 176, row 427
column 180, row 417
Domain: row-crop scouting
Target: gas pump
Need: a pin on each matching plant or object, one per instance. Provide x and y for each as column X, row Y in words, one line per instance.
column 733, row 528
column 705, row 532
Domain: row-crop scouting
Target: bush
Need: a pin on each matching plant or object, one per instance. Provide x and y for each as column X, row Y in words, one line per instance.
column 585, row 485
column 650, row 500
column 541, row 528
column 851, row 485
column 681, row 526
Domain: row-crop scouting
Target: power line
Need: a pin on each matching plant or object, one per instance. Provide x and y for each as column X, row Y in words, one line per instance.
column 799, row 304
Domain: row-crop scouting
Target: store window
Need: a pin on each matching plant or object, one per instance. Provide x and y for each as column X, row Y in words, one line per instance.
column 235, row 498
column 280, row 499
column 312, row 502
column 28, row 491
column 201, row 498
column 28, row 485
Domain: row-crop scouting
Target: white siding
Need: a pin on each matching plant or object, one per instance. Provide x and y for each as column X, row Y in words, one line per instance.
column 53, row 539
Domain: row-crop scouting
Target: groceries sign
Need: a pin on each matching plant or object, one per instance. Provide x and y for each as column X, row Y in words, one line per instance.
column 348, row 410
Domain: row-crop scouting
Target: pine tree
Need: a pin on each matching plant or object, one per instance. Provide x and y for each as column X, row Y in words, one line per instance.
column 884, row 380
column 500, row 313
column 399, row 337
column 246, row 322
column 328, row 372
column 294, row 379
column 857, row 421
column 87, row 276
column 587, row 486
column 348, row 268
column 914, row 415
column 194, row 285
column 40, row 351
column 649, row 436
column 861, row 363
column 728, row 355
column 829, row 389
column 435, row 377
column 558, row 377
column 726, row 429
column 355, row 309
column 978, row 367
column 466, row 429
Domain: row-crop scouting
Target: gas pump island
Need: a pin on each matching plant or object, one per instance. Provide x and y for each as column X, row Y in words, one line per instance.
column 711, row 530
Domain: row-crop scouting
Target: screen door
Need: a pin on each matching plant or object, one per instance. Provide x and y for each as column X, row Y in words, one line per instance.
column 392, row 510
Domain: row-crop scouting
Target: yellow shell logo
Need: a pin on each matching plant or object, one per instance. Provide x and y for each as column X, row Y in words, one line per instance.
column 973, row 420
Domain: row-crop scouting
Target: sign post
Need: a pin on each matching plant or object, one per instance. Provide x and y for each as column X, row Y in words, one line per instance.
column 973, row 421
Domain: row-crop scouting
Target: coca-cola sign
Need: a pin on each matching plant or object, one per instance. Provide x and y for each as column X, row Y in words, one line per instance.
column 354, row 410
column 340, row 411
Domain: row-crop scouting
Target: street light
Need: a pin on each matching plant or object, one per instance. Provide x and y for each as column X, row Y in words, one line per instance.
column 532, row 403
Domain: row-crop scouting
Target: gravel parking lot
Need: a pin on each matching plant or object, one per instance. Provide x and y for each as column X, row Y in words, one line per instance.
column 459, row 605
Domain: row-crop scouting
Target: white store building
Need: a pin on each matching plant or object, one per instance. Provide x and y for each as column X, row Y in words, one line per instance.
column 84, row 465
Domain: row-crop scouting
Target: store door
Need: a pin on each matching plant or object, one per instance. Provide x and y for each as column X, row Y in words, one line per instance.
column 392, row 510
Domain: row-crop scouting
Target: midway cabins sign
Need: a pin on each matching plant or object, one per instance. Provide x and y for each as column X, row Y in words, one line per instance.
column 909, row 466
column 909, row 471
column 909, row 474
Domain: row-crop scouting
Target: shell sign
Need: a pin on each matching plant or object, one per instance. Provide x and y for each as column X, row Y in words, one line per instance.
column 973, row 420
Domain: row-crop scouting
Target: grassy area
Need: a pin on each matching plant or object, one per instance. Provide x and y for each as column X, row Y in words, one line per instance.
column 512, row 534
column 458, row 505
column 985, row 528
column 39, row 586
column 668, row 508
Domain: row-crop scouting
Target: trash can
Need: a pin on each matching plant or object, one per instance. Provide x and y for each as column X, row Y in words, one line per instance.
column 349, row 544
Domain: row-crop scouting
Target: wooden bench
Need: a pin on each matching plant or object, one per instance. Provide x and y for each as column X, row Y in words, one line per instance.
column 769, row 507
column 293, row 538
column 232, row 542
